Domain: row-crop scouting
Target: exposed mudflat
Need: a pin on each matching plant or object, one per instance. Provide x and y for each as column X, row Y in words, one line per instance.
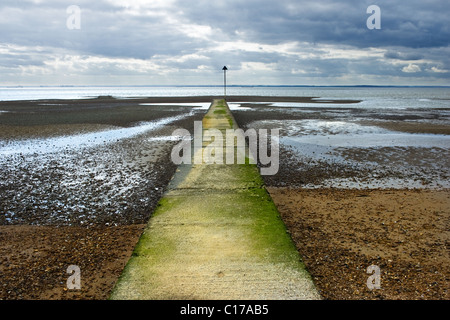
column 358, row 188
column 79, row 180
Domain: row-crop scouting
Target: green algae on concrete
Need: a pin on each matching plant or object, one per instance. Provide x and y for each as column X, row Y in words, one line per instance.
column 216, row 234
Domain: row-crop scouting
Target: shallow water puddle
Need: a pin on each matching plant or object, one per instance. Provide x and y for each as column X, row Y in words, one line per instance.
column 91, row 139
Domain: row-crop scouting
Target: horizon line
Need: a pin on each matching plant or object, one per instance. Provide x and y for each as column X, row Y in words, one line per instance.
column 230, row 86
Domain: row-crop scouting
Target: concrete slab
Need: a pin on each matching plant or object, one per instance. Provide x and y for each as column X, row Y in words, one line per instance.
column 216, row 234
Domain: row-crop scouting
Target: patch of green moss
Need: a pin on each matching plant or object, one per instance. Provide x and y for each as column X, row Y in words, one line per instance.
column 269, row 238
column 154, row 243
column 230, row 121
column 163, row 205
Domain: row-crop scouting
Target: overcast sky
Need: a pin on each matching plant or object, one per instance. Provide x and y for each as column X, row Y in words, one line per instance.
column 263, row 42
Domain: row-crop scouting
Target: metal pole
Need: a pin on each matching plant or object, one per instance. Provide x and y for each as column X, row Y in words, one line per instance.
column 225, row 81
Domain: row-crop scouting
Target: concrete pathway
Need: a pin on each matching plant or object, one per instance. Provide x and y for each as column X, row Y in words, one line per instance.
column 216, row 234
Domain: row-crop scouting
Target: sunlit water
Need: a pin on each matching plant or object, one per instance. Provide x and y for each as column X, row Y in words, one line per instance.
column 379, row 97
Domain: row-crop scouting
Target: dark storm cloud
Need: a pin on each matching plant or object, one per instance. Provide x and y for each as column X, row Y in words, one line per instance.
column 289, row 39
column 109, row 28
column 407, row 23
column 402, row 55
column 105, row 29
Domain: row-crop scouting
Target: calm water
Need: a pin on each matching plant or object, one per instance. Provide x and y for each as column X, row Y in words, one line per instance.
column 373, row 97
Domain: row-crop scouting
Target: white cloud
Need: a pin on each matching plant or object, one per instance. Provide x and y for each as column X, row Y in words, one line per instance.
column 257, row 66
column 437, row 70
column 411, row 68
column 196, row 31
column 327, row 51
column 142, row 5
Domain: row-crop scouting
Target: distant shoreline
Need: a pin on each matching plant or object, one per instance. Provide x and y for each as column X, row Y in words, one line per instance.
column 220, row 86
column 360, row 92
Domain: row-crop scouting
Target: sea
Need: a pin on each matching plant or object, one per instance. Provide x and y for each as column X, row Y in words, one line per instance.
column 371, row 97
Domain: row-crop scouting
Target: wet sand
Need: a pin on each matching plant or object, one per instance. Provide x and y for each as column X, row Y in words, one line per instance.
column 338, row 231
column 34, row 260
